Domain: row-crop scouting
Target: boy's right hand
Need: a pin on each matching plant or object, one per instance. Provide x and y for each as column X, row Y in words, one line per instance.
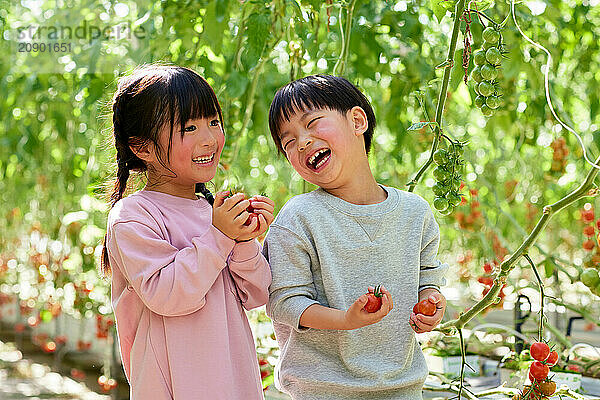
column 357, row 317
column 229, row 215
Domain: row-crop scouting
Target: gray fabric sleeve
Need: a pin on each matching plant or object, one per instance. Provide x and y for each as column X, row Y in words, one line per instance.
column 292, row 289
column 432, row 270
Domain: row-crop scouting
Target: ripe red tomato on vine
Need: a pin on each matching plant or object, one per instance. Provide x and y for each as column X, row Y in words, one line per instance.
column 539, row 351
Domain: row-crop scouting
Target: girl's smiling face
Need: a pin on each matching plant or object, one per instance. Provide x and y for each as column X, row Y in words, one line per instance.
column 193, row 157
column 322, row 144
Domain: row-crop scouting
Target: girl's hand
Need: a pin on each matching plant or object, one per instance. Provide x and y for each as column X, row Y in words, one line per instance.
column 357, row 317
column 422, row 323
column 263, row 208
column 229, row 215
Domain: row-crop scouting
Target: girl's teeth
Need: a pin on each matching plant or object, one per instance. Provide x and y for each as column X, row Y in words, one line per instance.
column 204, row 160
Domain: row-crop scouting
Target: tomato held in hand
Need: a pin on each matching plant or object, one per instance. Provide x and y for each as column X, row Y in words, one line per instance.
column 250, row 210
column 425, row 307
column 539, row 351
column 373, row 300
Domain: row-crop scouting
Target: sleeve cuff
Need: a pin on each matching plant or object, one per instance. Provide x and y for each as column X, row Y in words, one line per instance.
column 294, row 308
column 423, row 287
column 245, row 251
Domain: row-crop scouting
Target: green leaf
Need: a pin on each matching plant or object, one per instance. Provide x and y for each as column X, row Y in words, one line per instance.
column 257, row 26
column 438, row 10
column 236, row 84
column 221, row 10
column 213, row 29
column 549, row 268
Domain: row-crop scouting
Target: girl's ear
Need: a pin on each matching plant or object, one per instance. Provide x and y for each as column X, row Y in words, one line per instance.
column 359, row 119
column 144, row 150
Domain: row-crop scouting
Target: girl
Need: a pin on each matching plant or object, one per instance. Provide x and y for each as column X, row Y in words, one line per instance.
column 182, row 271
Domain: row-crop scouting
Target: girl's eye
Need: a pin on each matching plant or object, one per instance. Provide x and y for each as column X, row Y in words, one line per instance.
column 215, row 122
column 190, row 128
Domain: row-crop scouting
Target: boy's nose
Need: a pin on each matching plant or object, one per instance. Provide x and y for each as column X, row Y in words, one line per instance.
column 304, row 144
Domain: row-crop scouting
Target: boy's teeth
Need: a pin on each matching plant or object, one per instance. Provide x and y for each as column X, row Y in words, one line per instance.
column 321, row 162
column 314, row 156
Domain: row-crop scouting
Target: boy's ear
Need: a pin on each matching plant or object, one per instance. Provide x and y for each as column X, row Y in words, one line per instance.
column 144, row 150
column 359, row 119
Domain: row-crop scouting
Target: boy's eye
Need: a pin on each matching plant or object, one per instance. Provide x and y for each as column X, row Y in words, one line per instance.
column 312, row 120
column 190, row 128
column 287, row 143
column 215, row 122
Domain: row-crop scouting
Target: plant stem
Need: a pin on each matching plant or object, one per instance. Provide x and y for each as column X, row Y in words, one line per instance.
column 460, row 5
column 340, row 65
column 585, row 189
column 541, row 285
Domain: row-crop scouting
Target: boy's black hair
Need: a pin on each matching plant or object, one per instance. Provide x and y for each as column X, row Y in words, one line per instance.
column 318, row 91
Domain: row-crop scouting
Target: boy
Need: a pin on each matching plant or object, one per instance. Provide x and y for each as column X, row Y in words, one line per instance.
column 327, row 246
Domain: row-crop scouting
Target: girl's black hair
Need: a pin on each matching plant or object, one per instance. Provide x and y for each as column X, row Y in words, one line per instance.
column 314, row 92
column 151, row 98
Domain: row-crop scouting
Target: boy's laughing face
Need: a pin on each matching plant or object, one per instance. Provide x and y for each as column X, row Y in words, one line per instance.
column 323, row 145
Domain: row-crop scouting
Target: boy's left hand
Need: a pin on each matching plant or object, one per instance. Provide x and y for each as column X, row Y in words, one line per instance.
column 422, row 323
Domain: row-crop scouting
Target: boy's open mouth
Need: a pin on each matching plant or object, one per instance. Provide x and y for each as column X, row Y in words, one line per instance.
column 318, row 159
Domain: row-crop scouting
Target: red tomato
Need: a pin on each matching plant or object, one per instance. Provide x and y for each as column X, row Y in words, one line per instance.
column 425, row 307
column 589, row 245
column 373, row 301
column 487, row 268
column 552, row 358
column 546, row 388
column 539, row 351
column 539, row 371
column 589, row 230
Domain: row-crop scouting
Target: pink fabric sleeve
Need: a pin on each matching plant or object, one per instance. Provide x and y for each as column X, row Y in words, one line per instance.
column 251, row 274
column 170, row 282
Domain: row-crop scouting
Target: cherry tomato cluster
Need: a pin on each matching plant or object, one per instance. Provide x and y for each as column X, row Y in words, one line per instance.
column 590, row 277
column 103, row 325
column 374, row 300
column 447, row 174
column 487, row 280
column 541, row 385
column 473, row 219
column 544, row 359
column 559, row 156
column 107, row 384
column 487, row 61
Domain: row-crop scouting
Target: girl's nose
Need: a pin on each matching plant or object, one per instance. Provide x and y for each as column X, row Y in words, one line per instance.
column 210, row 141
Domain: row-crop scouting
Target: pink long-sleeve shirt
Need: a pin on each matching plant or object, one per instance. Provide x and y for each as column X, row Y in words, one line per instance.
column 179, row 290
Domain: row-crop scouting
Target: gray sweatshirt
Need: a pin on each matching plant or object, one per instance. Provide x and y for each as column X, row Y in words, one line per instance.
column 324, row 250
